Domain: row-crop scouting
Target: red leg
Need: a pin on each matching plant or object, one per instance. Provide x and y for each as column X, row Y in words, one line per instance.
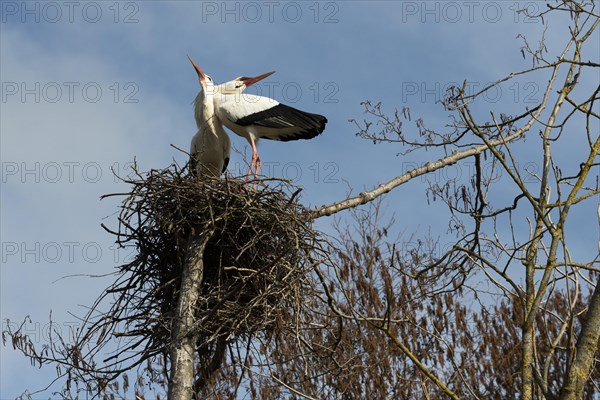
column 258, row 164
column 250, row 169
column 255, row 163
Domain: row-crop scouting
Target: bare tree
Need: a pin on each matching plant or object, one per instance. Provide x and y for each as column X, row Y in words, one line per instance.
column 540, row 207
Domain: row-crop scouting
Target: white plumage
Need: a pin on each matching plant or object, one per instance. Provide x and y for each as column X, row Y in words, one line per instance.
column 250, row 116
column 254, row 117
column 211, row 146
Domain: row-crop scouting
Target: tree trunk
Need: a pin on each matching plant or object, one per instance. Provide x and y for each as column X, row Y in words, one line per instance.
column 184, row 337
column 585, row 349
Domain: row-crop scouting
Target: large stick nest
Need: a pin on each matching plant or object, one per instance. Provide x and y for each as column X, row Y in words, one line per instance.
column 255, row 261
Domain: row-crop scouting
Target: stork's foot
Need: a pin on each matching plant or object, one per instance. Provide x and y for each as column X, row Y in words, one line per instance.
column 255, row 165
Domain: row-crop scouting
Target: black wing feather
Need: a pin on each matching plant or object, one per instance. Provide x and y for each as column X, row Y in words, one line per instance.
column 286, row 118
column 225, row 165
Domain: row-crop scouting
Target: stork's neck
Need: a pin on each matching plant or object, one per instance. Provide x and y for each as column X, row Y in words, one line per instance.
column 206, row 119
column 204, row 109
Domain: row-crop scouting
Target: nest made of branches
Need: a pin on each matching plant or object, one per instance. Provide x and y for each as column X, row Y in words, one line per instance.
column 255, row 261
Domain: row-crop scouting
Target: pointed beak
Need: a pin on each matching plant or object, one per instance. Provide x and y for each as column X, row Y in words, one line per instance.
column 201, row 74
column 251, row 81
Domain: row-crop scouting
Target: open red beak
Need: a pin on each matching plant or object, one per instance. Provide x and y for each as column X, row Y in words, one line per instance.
column 201, row 75
column 250, row 81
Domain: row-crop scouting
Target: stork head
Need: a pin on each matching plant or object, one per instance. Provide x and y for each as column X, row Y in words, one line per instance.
column 205, row 81
column 238, row 85
column 244, row 80
column 203, row 103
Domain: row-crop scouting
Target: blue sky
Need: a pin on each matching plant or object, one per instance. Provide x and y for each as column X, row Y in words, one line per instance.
column 91, row 85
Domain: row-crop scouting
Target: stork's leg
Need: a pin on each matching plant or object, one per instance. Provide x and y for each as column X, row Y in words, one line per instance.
column 257, row 166
column 255, row 163
column 250, row 170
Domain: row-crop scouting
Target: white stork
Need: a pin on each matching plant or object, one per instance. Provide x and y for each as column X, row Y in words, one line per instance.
column 254, row 117
column 211, row 145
